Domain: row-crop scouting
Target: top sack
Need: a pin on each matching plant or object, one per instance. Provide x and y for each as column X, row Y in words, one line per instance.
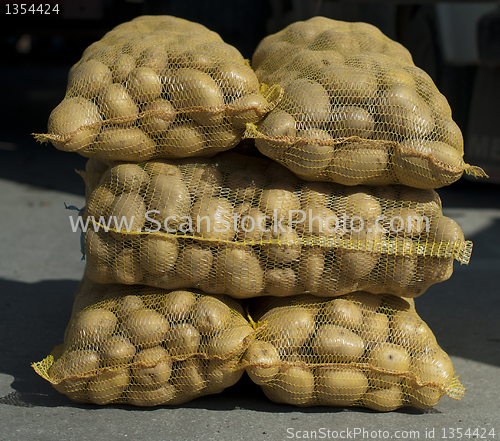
column 157, row 86
column 354, row 109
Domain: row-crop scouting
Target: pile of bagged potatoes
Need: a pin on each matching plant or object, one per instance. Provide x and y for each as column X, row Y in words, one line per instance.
column 156, row 87
column 215, row 225
column 294, row 260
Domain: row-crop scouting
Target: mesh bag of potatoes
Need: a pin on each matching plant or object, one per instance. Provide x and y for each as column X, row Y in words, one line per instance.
column 359, row 349
column 228, row 225
column 355, row 109
column 147, row 346
column 157, row 86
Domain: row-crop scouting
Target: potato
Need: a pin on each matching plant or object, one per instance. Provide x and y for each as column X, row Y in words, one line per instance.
column 168, row 201
column 405, row 222
column 319, row 221
column 335, row 344
column 262, row 361
column 387, row 357
column 125, row 178
column 288, row 327
column 210, row 315
column 405, row 113
column 189, row 378
column 108, row 386
column 375, row 328
column 183, row 340
column 410, row 331
column 344, row 313
column 221, row 138
column 117, row 105
column 89, row 327
column 281, row 282
column 284, row 246
column 445, row 231
column 182, row 140
column 243, row 275
column 347, row 121
column 340, row 386
column 348, row 84
column 276, row 124
column 427, row 164
column 191, row 89
column 153, row 57
column 358, row 263
column 99, row 273
column 358, row 163
column 267, row 50
column 152, row 367
column 76, row 123
column 308, row 158
column 141, row 396
column 235, row 80
column 127, row 305
column 96, row 246
column 89, row 78
column 213, row 220
column 195, row 59
column 202, row 181
column 384, row 400
column 221, row 374
column 144, row 85
column 117, row 351
column 307, row 101
column 145, row 328
column 127, row 269
column 158, row 117
column 122, row 68
column 74, row 364
column 310, row 271
column 248, row 109
column 99, row 202
column 397, row 266
column 293, row 385
column 434, row 269
column 123, row 144
column 194, row 263
column 359, row 204
column 177, row 305
column 338, row 38
column 251, row 226
column 279, row 201
column 336, row 280
column 230, row 341
column 435, row 367
column 447, row 131
column 159, row 254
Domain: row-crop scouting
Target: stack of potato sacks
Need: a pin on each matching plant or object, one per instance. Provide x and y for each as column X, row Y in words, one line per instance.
column 329, row 239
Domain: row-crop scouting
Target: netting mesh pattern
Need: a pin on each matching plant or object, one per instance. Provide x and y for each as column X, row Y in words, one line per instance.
column 157, row 86
column 355, row 109
column 229, row 225
column 147, row 346
column 359, row 349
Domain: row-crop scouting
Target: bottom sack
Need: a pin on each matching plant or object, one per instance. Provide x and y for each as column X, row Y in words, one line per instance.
column 147, row 346
column 359, row 349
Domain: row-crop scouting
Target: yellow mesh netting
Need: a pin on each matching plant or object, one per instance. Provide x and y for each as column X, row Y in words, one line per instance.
column 147, row 346
column 157, row 86
column 355, row 350
column 355, row 109
column 249, row 228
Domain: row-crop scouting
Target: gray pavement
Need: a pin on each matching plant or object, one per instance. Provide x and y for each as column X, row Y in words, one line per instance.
column 39, row 271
